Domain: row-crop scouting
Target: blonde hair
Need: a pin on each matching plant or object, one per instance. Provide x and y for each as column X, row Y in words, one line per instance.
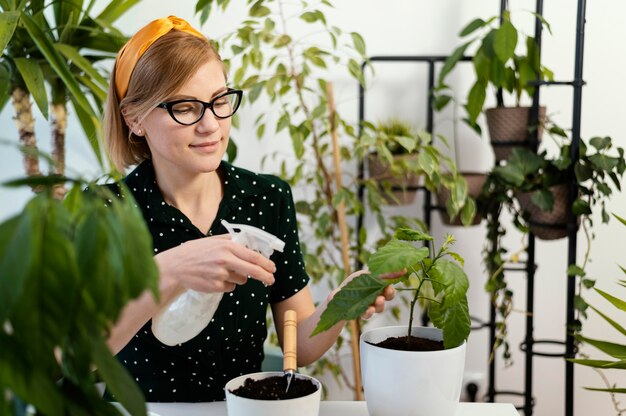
column 166, row 65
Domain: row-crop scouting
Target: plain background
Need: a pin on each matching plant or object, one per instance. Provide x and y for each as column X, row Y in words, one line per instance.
column 414, row 27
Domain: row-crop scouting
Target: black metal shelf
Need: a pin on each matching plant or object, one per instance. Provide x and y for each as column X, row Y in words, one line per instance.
column 529, row 268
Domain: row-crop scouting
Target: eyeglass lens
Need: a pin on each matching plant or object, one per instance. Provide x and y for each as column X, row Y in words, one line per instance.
column 189, row 112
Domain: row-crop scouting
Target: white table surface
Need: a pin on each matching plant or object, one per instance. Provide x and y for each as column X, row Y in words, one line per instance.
column 327, row 408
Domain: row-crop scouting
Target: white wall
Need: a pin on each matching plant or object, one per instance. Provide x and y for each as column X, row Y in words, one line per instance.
column 410, row 27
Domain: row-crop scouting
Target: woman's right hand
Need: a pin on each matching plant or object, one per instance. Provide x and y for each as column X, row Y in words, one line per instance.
column 213, row 264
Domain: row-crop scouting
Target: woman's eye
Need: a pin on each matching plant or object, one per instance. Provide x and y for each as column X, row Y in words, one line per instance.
column 221, row 102
column 182, row 109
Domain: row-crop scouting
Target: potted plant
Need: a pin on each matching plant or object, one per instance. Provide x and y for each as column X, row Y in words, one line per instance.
column 67, row 268
column 400, row 375
column 401, row 160
column 541, row 186
column 394, row 158
column 496, row 64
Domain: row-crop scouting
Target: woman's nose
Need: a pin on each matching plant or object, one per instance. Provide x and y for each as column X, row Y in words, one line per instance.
column 208, row 123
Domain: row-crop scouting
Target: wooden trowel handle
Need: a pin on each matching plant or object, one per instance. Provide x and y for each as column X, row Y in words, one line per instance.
column 289, row 341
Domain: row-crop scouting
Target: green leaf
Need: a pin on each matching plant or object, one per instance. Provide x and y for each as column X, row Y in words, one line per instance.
column 620, row 219
column 231, row 150
column 614, row 350
column 73, row 55
column 258, row 10
column 114, row 10
column 574, row 270
column 31, row 72
column 117, row 379
column 475, row 100
column 600, row 143
column 408, row 234
column 310, row 17
column 91, row 127
column 351, row 301
column 394, row 256
column 601, row 363
column 56, row 62
column 359, row 43
column 608, row 390
column 472, row 26
column 581, row 207
column 451, row 61
column 19, row 255
column 618, row 303
column 544, row 199
column 505, row 41
column 8, row 23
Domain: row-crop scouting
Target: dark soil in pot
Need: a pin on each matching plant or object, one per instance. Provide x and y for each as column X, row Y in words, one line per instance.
column 273, row 388
column 412, row 344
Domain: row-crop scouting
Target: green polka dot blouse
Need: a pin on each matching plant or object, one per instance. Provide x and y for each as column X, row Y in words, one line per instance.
column 232, row 343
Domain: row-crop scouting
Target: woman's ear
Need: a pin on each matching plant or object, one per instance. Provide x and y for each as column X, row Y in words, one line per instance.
column 133, row 125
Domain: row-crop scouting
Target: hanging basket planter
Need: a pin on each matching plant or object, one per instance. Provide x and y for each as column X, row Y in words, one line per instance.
column 475, row 182
column 404, row 187
column 508, row 128
column 543, row 224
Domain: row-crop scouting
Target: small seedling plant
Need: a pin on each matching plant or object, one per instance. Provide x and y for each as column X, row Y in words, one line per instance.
column 441, row 270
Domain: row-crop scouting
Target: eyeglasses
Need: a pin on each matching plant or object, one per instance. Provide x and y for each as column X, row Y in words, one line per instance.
column 188, row 112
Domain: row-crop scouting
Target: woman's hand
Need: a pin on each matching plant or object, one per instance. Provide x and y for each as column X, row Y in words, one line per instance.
column 213, row 264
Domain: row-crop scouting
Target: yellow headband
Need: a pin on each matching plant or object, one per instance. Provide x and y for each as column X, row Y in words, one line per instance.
column 133, row 50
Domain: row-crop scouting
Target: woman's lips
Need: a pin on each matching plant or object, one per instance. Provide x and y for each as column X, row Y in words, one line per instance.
column 206, row 147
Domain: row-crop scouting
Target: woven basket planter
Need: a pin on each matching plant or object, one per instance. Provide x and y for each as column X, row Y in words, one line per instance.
column 508, row 128
column 475, row 182
column 547, row 225
column 404, row 187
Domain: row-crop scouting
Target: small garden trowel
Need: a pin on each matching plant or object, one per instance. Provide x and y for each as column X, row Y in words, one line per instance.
column 290, row 333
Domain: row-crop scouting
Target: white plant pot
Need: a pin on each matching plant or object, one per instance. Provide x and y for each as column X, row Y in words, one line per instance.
column 410, row 383
column 301, row 406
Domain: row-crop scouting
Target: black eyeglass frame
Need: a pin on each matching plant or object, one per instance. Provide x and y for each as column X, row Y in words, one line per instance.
column 169, row 104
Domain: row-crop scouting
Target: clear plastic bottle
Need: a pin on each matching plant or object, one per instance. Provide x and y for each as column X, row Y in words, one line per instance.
column 191, row 311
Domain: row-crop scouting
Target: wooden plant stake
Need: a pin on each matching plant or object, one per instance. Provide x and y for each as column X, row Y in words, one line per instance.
column 345, row 247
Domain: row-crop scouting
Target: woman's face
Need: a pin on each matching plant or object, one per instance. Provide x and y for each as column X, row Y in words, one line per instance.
column 181, row 150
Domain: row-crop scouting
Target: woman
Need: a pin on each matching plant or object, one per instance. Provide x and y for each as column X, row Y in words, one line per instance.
column 168, row 111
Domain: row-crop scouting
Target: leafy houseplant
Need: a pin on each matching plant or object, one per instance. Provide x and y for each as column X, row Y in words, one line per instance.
column 390, row 354
column 401, row 158
column 534, row 187
column 51, row 52
column 496, row 64
column 448, row 310
column 617, row 351
column 67, row 268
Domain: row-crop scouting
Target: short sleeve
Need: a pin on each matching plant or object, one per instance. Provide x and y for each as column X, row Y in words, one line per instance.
column 290, row 273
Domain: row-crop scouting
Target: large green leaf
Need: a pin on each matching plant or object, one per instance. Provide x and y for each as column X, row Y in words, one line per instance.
column 27, row 379
column 394, row 256
column 31, row 73
column 117, row 379
column 72, row 54
column 8, row 23
column 20, row 250
column 614, row 350
column 57, row 63
column 351, row 301
column 505, row 41
column 409, row 234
